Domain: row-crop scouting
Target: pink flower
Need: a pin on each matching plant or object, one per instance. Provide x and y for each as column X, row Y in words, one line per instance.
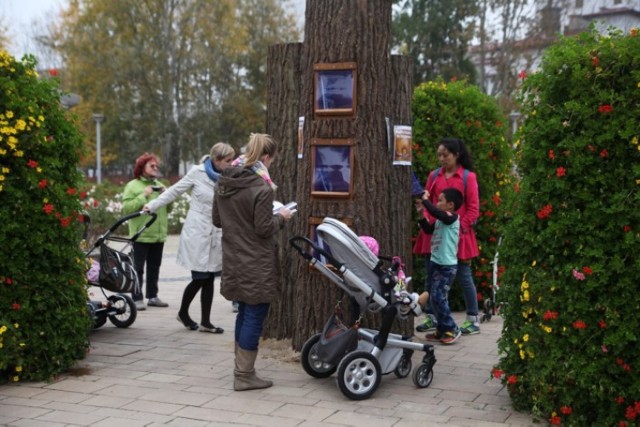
column 578, row 275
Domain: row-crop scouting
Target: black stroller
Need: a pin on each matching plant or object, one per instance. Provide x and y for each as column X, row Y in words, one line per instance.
column 359, row 355
column 114, row 271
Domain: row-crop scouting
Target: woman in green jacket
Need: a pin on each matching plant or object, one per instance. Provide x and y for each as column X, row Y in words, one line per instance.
column 147, row 249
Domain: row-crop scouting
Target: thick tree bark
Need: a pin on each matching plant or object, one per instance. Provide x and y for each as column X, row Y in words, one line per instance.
column 338, row 31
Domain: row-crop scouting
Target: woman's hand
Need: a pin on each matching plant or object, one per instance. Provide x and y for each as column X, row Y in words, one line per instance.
column 419, row 206
column 148, row 190
column 285, row 213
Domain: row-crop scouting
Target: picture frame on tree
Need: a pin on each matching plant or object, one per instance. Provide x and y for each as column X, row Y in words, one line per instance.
column 332, row 167
column 334, row 91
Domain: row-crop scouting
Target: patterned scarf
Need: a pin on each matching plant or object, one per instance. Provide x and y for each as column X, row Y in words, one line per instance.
column 211, row 171
column 258, row 168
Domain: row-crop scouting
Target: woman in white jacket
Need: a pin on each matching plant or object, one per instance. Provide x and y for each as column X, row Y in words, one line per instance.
column 200, row 247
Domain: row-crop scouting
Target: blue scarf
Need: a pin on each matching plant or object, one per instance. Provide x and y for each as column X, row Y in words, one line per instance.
column 211, row 171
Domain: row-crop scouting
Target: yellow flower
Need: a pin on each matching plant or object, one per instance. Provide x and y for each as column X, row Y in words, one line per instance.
column 525, row 338
column 18, row 368
column 16, row 379
column 3, row 329
column 15, row 325
column 525, row 285
column 522, row 354
column 21, row 124
column 547, row 329
column 533, row 264
column 525, row 296
column 1, row 177
column 19, row 153
column 6, row 170
column 634, row 140
column 9, row 114
column 530, row 354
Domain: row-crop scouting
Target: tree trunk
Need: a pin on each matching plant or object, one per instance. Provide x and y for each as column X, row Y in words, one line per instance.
column 338, row 31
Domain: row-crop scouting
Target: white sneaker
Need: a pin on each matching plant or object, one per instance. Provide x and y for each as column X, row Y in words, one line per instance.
column 140, row 306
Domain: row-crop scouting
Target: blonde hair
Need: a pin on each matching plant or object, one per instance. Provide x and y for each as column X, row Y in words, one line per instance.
column 259, row 145
column 221, row 150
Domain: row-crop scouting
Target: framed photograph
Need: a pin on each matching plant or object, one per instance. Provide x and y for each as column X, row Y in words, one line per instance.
column 335, row 89
column 402, row 145
column 332, row 167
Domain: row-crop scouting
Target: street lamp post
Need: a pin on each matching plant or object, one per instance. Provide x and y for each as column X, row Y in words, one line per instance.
column 98, row 118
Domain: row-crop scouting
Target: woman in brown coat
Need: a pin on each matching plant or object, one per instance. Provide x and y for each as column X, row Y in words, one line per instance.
column 243, row 208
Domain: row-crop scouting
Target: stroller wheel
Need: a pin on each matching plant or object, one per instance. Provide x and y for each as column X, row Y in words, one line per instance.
column 122, row 312
column 311, row 363
column 404, row 366
column 359, row 375
column 423, row 375
column 98, row 318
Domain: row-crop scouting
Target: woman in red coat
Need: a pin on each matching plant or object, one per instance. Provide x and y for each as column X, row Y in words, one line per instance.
column 456, row 171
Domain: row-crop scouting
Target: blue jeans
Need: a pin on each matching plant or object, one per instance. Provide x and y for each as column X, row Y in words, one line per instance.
column 249, row 324
column 466, row 281
column 441, row 278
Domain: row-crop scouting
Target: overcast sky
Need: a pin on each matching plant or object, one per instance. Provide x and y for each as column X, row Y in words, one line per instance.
column 21, row 15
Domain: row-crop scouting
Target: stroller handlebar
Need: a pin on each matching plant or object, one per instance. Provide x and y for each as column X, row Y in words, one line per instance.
column 123, row 220
column 317, row 249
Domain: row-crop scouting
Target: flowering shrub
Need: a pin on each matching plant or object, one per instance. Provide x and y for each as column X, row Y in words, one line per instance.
column 457, row 109
column 569, row 350
column 43, row 312
column 103, row 204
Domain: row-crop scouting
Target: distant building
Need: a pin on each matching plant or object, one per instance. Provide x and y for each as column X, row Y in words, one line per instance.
column 525, row 54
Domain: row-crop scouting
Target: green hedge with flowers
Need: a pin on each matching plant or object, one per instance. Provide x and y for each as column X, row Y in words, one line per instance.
column 570, row 349
column 458, row 109
column 43, row 315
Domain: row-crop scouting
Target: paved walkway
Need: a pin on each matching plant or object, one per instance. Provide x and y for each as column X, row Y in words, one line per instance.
column 158, row 373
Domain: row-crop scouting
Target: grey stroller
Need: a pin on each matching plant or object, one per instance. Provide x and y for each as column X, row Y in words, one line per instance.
column 360, row 355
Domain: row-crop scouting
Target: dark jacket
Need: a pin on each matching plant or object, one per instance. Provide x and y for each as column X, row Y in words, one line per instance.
column 243, row 208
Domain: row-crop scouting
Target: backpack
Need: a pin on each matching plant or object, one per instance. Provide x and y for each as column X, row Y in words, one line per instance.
column 436, row 171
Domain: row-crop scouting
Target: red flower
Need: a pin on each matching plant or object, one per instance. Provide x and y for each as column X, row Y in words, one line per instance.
column 602, row 324
column 630, row 413
column 545, row 211
column 587, row 270
column 64, row 222
column 42, row 183
column 552, row 155
column 579, row 324
column 15, row 306
column 512, row 379
column 627, row 228
column 619, row 400
column 550, row 315
column 555, row 420
column 605, row 109
column 604, row 153
column 622, row 424
column 47, row 208
column 626, row 367
column 8, row 281
column 498, row 124
column 96, row 203
column 522, row 74
column 566, row 410
column 53, row 72
column 561, row 171
column 32, row 164
column 619, row 362
column 595, row 61
column 497, row 373
column 496, row 199
column 71, row 191
column 83, row 195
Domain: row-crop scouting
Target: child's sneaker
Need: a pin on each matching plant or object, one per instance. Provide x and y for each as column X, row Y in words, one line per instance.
column 434, row 336
column 469, row 328
column 451, row 336
column 428, row 324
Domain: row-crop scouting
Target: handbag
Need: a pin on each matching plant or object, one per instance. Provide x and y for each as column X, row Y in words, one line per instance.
column 117, row 272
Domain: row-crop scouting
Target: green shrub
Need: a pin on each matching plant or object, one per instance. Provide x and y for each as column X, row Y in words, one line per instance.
column 457, row 109
column 570, row 345
column 43, row 314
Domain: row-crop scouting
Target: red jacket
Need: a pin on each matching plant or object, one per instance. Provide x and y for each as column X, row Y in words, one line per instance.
column 468, row 212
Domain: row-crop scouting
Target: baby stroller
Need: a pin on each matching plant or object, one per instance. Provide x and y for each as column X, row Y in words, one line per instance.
column 114, row 271
column 360, row 355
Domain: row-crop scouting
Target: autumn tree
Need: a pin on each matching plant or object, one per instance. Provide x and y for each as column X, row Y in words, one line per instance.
column 436, row 35
column 170, row 76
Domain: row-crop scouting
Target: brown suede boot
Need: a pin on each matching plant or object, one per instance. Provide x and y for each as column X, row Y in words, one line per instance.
column 245, row 377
